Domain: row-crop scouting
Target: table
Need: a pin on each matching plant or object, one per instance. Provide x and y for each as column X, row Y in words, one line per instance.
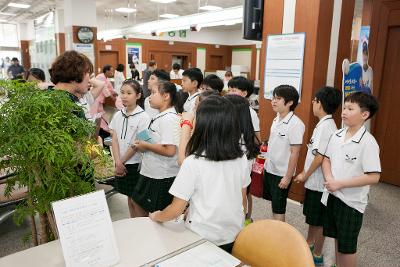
column 140, row 241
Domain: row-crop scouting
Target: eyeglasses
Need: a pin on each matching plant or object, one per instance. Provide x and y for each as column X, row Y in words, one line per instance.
column 314, row 101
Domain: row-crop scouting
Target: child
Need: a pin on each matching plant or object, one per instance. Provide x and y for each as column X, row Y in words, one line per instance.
column 124, row 126
column 212, row 82
column 325, row 103
column 247, row 141
column 191, row 81
column 350, row 165
column 213, row 177
column 285, row 140
column 241, row 86
column 155, row 77
column 159, row 163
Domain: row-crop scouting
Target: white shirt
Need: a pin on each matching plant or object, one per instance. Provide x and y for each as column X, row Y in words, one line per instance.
column 173, row 75
column 284, row 133
column 152, row 112
column 164, row 129
column 255, row 120
column 125, row 126
column 318, row 143
column 356, row 156
column 214, row 189
column 190, row 103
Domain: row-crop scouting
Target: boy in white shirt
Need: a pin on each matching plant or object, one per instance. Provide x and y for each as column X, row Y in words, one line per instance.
column 350, row 165
column 155, row 77
column 191, row 81
column 285, row 140
column 324, row 104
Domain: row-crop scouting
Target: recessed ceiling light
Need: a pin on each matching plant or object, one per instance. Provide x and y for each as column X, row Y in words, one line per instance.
column 3, row 20
column 7, row 14
column 210, row 8
column 169, row 16
column 163, row 1
column 125, row 10
column 18, row 5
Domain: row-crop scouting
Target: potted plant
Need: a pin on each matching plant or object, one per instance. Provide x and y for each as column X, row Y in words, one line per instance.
column 48, row 147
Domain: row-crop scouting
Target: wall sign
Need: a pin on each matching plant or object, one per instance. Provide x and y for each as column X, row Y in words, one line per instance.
column 85, row 35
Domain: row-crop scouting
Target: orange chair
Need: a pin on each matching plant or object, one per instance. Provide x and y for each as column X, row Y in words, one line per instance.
column 270, row 243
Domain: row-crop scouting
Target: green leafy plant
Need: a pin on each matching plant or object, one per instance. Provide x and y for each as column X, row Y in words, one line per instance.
column 50, row 149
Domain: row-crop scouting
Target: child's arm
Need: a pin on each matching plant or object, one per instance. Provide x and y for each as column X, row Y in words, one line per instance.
column 185, row 136
column 163, row 150
column 304, row 175
column 174, row 210
column 294, row 156
column 366, row 179
column 326, row 169
column 120, row 169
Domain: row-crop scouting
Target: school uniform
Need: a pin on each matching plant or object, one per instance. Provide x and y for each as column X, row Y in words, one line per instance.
column 125, row 127
column 284, row 133
column 152, row 112
column 254, row 120
column 158, row 172
column 345, row 207
column 214, row 189
column 190, row 103
column 313, row 209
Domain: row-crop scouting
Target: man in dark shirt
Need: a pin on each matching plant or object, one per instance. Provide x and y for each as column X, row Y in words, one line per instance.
column 15, row 71
column 146, row 76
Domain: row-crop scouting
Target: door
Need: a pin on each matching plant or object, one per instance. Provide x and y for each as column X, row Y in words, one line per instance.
column 216, row 63
column 108, row 57
column 386, row 66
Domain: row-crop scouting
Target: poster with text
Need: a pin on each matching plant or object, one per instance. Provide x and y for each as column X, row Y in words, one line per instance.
column 134, row 55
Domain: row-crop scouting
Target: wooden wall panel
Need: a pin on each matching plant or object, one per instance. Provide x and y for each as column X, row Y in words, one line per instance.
column 60, row 42
column 25, row 57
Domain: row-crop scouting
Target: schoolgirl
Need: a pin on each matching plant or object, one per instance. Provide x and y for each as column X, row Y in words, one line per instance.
column 213, row 178
column 160, row 150
column 125, row 125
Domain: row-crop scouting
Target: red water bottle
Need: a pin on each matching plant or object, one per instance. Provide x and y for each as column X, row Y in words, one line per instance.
column 263, row 153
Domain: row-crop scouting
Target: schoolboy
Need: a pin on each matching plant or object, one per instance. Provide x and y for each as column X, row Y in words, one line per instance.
column 350, row 165
column 241, row 86
column 324, row 104
column 212, row 82
column 191, row 81
column 285, row 140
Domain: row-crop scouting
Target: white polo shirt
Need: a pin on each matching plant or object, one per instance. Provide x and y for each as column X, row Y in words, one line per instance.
column 152, row 112
column 126, row 125
column 255, row 120
column 284, row 133
column 164, row 129
column 318, row 143
column 356, row 156
column 214, row 189
column 190, row 103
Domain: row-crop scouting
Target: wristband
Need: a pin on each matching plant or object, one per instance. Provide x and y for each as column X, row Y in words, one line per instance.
column 187, row 122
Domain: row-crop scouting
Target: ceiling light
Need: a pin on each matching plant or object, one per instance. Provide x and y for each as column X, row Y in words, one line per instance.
column 125, row 10
column 210, row 8
column 168, row 16
column 163, row 1
column 18, row 5
column 3, row 20
column 7, row 14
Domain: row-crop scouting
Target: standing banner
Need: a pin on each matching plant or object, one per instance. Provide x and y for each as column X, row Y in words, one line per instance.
column 133, row 55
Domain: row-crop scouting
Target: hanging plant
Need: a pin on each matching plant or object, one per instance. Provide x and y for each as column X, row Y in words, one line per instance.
column 48, row 147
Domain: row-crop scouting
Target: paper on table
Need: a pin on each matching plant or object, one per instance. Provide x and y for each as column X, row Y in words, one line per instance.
column 203, row 255
column 85, row 230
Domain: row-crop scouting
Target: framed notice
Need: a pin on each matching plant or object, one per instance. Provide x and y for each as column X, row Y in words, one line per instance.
column 284, row 62
column 85, row 229
column 134, row 55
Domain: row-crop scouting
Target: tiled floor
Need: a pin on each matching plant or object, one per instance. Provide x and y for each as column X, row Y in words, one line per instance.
column 378, row 245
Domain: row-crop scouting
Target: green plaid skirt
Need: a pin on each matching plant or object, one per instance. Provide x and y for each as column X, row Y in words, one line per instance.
column 126, row 184
column 152, row 194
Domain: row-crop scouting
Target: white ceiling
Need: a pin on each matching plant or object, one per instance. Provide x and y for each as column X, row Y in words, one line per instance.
column 146, row 10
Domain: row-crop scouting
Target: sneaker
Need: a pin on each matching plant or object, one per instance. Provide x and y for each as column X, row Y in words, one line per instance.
column 248, row 221
column 318, row 260
column 311, row 247
column 333, row 265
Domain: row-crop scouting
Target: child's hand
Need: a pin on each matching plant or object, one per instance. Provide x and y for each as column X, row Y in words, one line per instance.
column 300, row 178
column 333, row 185
column 120, row 169
column 140, row 145
column 153, row 215
column 284, row 183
